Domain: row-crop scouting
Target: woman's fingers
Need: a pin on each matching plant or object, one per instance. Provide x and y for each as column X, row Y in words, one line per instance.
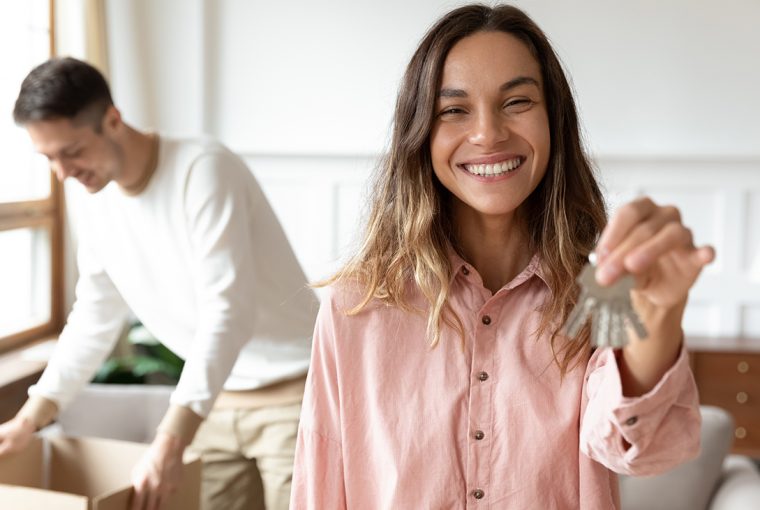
column 639, row 242
column 640, row 256
column 651, row 243
column 621, row 224
column 704, row 255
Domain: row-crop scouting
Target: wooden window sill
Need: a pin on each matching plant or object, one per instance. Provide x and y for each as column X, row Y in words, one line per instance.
column 17, row 372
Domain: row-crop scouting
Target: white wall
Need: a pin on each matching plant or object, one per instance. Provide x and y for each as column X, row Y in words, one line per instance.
column 319, row 77
column 320, row 201
column 304, row 90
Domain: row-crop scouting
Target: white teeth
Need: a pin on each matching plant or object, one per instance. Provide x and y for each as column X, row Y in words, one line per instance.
column 495, row 169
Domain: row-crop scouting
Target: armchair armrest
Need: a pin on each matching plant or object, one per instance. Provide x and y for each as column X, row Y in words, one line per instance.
column 739, row 488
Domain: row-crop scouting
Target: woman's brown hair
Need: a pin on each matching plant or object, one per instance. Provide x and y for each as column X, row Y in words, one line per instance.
column 408, row 230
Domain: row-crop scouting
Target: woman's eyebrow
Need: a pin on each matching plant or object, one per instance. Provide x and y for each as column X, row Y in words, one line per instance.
column 520, row 80
column 514, row 82
column 452, row 93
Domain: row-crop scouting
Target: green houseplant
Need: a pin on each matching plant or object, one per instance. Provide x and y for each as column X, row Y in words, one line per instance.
column 150, row 362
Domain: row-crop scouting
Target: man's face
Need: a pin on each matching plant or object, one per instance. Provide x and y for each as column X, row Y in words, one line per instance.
column 77, row 150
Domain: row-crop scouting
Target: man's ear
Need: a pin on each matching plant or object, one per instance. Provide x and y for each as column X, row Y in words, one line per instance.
column 112, row 120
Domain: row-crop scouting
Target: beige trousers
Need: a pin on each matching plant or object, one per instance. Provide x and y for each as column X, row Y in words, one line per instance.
column 247, row 457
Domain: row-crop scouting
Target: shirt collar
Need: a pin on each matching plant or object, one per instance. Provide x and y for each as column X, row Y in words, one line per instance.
column 534, row 267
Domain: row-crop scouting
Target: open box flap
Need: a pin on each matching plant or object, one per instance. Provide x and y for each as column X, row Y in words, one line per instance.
column 186, row 498
column 83, row 467
column 24, row 468
column 25, row 498
column 92, row 467
column 189, row 494
column 116, row 500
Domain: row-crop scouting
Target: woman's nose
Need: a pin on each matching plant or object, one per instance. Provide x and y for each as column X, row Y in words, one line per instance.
column 489, row 129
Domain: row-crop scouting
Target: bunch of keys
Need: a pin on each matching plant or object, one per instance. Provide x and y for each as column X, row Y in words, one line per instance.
column 609, row 308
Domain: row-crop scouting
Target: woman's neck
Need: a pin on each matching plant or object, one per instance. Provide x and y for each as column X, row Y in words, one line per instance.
column 497, row 246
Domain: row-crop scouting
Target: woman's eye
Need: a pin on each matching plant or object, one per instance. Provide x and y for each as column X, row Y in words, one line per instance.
column 450, row 111
column 518, row 105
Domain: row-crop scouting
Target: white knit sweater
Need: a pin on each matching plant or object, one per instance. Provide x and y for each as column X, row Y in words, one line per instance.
column 201, row 260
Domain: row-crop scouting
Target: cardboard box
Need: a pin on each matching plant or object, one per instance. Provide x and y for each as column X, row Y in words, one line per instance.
column 83, row 474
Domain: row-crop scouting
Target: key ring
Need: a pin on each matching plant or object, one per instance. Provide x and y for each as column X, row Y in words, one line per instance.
column 609, row 308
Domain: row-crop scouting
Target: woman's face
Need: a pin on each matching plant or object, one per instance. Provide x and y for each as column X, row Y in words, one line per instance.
column 490, row 139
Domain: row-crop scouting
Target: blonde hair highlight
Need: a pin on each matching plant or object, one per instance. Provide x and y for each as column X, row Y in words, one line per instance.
column 408, row 231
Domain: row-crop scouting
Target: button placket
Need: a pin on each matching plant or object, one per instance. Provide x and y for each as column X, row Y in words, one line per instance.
column 481, row 404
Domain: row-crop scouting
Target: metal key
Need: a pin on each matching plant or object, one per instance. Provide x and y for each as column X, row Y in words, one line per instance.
column 609, row 308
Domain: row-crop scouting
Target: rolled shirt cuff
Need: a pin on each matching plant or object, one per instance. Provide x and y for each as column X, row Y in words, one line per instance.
column 40, row 411
column 180, row 422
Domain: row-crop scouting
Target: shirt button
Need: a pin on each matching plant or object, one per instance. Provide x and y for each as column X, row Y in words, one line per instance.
column 483, row 376
column 478, row 494
column 486, row 320
column 465, row 271
column 479, row 434
column 632, row 420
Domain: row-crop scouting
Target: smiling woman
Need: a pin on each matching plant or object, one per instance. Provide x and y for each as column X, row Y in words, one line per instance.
column 439, row 375
column 30, row 199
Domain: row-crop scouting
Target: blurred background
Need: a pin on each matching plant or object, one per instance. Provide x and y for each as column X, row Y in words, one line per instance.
column 669, row 95
column 304, row 90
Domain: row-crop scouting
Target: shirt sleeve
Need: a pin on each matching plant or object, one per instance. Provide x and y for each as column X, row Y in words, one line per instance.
column 92, row 329
column 644, row 435
column 217, row 214
column 318, row 480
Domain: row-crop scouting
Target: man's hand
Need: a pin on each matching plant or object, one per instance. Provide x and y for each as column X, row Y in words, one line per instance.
column 158, row 473
column 15, row 435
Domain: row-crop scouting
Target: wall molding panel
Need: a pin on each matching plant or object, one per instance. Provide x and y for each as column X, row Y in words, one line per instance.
column 320, row 199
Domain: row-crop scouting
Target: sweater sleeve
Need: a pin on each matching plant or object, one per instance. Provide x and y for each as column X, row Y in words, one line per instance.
column 217, row 215
column 318, row 480
column 644, row 435
column 92, row 329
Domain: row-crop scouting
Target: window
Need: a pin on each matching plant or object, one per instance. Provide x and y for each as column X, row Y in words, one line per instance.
column 31, row 209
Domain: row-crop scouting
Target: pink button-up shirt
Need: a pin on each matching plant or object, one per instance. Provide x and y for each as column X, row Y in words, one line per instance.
column 389, row 423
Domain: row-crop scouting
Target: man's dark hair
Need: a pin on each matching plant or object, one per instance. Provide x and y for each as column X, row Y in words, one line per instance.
column 63, row 88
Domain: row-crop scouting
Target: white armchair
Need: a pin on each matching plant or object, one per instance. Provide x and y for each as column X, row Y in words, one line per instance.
column 712, row 481
column 116, row 411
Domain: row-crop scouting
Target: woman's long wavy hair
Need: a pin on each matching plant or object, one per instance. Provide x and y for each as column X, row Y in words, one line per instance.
column 409, row 225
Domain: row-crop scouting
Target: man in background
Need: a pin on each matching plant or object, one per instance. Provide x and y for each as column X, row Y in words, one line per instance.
column 179, row 232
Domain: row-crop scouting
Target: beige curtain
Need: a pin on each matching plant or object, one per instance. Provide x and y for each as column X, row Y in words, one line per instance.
column 80, row 31
column 96, row 42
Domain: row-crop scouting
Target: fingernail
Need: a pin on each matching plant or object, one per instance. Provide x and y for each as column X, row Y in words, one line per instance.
column 601, row 254
column 607, row 273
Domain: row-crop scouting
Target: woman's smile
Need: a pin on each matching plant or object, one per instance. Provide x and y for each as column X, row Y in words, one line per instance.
column 493, row 169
